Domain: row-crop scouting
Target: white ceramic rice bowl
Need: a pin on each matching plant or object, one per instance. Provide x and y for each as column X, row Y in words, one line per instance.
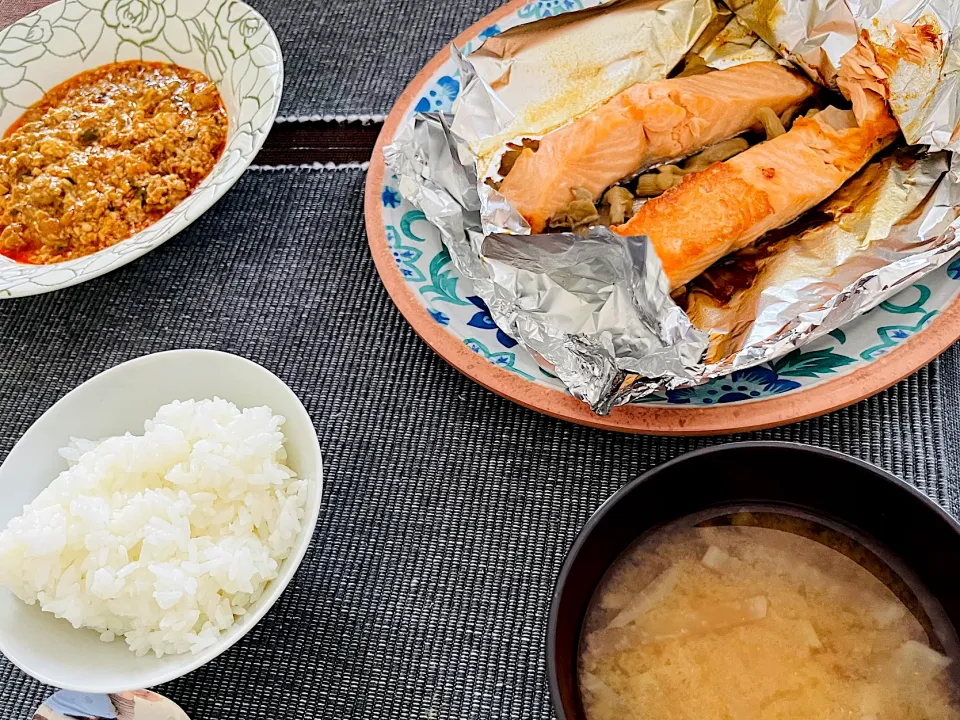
column 112, row 403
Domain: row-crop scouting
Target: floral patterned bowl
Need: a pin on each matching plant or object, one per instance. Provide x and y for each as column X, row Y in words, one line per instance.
column 871, row 353
column 226, row 39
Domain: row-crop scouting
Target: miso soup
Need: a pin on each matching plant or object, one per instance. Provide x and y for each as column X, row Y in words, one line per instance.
column 745, row 622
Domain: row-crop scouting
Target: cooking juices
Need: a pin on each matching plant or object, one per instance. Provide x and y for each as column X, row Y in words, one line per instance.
column 757, row 616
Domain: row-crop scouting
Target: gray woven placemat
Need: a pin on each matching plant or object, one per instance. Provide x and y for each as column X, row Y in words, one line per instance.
column 447, row 510
column 356, row 56
column 948, row 366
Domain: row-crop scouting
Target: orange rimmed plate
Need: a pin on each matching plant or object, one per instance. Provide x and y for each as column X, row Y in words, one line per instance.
column 870, row 354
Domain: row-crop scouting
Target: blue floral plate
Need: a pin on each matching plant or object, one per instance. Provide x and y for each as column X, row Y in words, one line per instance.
column 871, row 353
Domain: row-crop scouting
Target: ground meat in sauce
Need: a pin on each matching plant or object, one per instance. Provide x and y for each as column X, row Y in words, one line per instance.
column 104, row 155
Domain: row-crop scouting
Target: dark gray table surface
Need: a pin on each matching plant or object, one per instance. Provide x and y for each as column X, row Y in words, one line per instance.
column 354, row 57
column 447, row 510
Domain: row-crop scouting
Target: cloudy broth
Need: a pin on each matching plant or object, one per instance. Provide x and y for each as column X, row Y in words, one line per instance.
column 750, row 618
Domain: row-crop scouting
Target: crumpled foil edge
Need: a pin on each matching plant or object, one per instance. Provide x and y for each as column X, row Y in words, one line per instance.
column 449, row 200
column 861, row 296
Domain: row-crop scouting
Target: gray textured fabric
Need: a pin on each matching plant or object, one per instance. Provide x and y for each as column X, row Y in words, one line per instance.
column 356, row 56
column 447, row 510
column 949, row 364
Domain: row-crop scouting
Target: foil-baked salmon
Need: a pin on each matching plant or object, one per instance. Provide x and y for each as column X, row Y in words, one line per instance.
column 642, row 126
column 730, row 205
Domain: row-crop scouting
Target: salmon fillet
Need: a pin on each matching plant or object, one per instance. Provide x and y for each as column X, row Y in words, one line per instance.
column 731, row 204
column 644, row 125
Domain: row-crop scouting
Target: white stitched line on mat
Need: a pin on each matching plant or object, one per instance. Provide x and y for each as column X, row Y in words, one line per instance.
column 362, row 119
column 313, row 166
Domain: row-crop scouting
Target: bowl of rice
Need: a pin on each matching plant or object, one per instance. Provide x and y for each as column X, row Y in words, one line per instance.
column 151, row 517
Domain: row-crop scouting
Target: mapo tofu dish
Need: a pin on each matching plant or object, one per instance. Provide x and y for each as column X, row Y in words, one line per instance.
column 104, row 155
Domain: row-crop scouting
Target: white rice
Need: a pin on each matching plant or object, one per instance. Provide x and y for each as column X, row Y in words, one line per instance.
column 163, row 538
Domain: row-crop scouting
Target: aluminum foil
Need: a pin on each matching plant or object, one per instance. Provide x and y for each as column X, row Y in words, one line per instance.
column 728, row 41
column 595, row 308
column 539, row 75
column 880, row 230
column 923, row 88
column 814, row 34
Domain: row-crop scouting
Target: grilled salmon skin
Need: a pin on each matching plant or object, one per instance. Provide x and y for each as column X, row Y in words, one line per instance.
column 729, row 205
column 644, row 125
